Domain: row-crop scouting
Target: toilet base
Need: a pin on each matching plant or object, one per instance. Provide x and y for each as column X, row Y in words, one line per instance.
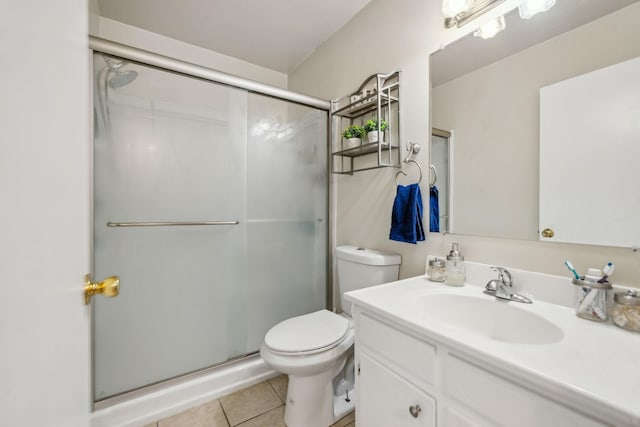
column 311, row 402
column 341, row 407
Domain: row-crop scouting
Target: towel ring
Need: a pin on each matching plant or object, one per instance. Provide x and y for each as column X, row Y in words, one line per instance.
column 435, row 175
column 405, row 174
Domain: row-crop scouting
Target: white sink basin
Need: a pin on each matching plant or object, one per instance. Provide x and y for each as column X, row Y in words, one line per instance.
column 494, row 319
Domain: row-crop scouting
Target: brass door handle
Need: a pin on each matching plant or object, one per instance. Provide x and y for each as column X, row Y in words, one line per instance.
column 548, row 233
column 109, row 287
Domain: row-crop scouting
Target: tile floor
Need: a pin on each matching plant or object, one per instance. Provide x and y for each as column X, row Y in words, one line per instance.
column 261, row 405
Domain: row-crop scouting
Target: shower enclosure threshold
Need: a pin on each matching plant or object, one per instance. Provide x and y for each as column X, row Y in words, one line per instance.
column 175, row 395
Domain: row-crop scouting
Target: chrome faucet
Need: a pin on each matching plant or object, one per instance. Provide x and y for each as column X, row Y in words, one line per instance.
column 502, row 286
column 503, row 283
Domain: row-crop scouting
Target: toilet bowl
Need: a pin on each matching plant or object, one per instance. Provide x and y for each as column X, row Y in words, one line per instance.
column 316, row 350
column 312, row 350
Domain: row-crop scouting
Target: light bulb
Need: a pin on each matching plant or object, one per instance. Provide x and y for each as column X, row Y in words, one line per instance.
column 528, row 8
column 491, row 28
column 451, row 8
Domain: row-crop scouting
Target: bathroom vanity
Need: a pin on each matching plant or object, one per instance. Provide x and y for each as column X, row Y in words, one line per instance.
column 432, row 355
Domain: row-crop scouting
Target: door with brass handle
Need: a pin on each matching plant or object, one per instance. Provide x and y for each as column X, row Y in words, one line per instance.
column 109, row 287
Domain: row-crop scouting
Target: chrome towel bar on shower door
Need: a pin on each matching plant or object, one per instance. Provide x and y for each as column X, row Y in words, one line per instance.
column 169, row 224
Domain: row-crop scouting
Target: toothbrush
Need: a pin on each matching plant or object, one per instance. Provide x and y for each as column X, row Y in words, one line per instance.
column 572, row 269
column 607, row 270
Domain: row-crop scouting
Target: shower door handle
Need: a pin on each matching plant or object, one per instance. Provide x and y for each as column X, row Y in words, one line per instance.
column 109, row 287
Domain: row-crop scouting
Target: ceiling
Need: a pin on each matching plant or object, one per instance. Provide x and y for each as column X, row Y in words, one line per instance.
column 470, row 53
column 276, row 34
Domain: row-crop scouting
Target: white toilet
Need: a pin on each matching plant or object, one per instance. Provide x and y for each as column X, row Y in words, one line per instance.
column 316, row 350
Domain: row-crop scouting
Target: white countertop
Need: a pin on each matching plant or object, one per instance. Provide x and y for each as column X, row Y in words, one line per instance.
column 594, row 365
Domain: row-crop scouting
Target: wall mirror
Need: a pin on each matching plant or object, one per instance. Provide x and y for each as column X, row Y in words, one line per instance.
column 485, row 94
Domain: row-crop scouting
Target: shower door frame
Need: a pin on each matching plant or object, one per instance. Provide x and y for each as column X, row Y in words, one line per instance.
column 146, row 58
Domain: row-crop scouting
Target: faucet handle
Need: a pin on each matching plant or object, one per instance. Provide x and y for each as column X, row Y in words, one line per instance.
column 503, row 275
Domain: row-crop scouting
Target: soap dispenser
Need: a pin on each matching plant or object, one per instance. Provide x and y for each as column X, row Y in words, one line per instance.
column 456, row 271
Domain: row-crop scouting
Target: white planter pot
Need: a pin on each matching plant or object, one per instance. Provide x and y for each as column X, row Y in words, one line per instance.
column 352, row 143
column 373, row 136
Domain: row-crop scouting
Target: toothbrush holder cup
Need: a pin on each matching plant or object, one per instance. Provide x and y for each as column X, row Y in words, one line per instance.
column 591, row 300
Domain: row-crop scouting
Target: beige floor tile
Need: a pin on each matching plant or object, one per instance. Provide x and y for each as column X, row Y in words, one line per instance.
column 280, row 384
column 250, row 402
column 152, row 425
column 273, row 418
column 207, row 415
column 346, row 421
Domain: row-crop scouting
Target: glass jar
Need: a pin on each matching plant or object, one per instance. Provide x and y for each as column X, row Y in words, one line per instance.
column 436, row 271
column 456, row 272
column 591, row 300
column 626, row 310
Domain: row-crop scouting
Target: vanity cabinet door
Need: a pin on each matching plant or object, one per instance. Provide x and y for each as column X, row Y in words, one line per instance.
column 453, row 417
column 385, row 399
column 503, row 402
column 404, row 354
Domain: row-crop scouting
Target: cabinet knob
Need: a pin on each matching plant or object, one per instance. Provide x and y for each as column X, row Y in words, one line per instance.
column 415, row 410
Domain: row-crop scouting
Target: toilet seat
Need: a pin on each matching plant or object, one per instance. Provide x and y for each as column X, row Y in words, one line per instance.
column 307, row 334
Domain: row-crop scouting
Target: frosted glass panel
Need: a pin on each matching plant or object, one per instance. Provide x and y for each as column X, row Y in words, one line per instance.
column 287, row 213
column 172, row 148
column 168, row 148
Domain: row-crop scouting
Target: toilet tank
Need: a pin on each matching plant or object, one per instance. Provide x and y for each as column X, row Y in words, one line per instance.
column 359, row 268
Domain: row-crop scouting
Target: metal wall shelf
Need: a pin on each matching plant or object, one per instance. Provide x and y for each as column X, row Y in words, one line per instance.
column 365, row 148
column 377, row 98
column 364, row 107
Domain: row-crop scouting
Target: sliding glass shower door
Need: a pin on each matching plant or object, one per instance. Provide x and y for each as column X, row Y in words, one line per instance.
column 210, row 204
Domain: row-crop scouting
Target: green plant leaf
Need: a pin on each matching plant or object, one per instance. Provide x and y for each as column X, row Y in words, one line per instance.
column 353, row 131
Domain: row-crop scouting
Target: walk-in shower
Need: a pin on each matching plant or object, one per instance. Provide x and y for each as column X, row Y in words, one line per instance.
column 210, row 204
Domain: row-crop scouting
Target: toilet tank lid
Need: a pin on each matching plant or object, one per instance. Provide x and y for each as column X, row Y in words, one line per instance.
column 367, row 256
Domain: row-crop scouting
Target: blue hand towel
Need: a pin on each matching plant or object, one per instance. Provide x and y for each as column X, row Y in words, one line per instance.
column 406, row 217
column 434, row 210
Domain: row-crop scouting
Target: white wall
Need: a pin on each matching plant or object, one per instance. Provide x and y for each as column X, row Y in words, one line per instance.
column 401, row 34
column 146, row 40
column 44, row 188
column 502, row 140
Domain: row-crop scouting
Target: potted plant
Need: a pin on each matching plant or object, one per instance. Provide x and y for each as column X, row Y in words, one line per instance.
column 353, row 135
column 372, row 127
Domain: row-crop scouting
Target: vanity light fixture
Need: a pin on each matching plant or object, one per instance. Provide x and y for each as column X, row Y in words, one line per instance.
column 452, row 8
column 491, row 28
column 459, row 12
column 528, row 8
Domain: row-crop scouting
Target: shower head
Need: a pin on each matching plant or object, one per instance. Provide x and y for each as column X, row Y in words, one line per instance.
column 115, row 77
column 111, row 76
column 122, row 78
